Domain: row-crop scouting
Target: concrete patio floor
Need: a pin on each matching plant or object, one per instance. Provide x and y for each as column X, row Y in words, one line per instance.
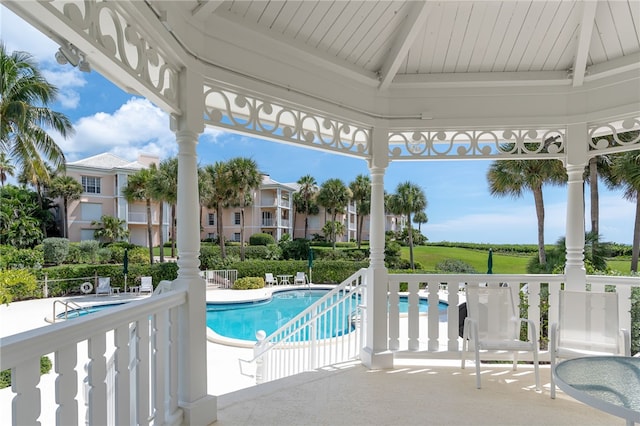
column 435, row 393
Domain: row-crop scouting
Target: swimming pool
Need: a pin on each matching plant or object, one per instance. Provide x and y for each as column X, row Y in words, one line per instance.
column 86, row 310
column 240, row 321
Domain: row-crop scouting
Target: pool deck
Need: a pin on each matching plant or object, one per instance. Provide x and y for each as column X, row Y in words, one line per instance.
column 415, row 392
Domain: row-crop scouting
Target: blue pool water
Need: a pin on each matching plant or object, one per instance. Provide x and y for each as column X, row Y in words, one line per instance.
column 242, row 320
column 75, row 313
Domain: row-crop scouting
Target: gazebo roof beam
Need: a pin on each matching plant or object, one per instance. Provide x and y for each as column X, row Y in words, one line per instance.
column 584, row 42
column 206, row 7
column 410, row 27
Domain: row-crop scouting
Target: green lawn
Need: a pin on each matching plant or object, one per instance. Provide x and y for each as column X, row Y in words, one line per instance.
column 429, row 256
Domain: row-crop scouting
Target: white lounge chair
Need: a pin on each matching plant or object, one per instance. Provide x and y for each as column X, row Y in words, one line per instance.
column 269, row 279
column 104, row 287
column 492, row 324
column 588, row 325
column 146, row 285
column 300, row 279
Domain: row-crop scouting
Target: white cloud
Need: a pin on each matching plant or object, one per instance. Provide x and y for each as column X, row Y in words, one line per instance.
column 18, row 35
column 67, row 80
column 137, row 126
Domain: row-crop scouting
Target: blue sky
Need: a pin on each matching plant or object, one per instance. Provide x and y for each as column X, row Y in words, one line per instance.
column 460, row 207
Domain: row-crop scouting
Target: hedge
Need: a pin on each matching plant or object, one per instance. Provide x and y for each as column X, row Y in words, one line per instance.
column 324, row 272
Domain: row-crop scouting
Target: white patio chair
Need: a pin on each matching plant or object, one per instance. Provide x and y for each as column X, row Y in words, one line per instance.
column 269, row 279
column 300, row 279
column 146, row 285
column 104, row 287
column 492, row 324
column 588, row 325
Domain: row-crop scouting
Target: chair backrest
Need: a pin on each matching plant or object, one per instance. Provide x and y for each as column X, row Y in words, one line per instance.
column 494, row 311
column 146, row 284
column 300, row 277
column 269, row 277
column 104, row 285
column 588, row 321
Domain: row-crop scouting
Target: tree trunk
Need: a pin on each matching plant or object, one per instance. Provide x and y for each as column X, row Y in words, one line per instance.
column 360, row 225
column 65, row 221
column 173, row 230
column 593, row 192
column 161, row 230
column 410, row 240
column 635, row 248
column 242, row 234
column 149, row 231
column 223, row 253
column 539, row 202
column 306, row 225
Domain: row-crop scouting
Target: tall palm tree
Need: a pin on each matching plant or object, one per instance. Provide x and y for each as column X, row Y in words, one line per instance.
column 24, row 114
column 361, row 193
column 138, row 188
column 219, row 192
column 168, row 171
column 307, row 190
column 110, row 228
column 164, row 189
column 334, row 196
column 408, row 199
column 68, row 189
column 6, row 168
column 245, row 177
column 513, row 177
column 625, row 173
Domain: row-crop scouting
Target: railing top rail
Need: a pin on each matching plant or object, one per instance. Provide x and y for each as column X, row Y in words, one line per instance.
column 52, row 337
column 613, row 280
column 323, row 299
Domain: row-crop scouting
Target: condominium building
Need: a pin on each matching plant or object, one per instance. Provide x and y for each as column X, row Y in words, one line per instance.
column 103, row 177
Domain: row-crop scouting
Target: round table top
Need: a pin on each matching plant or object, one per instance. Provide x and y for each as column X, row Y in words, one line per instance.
column 609, row 383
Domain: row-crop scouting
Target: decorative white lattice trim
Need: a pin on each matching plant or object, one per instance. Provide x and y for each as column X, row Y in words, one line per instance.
column 243, row 112
column 522, row 143
column 104, row 25
column 615, row 136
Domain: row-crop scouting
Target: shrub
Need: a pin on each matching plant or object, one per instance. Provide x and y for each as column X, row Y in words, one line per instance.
column 261, row 239
column 11, row 258
column 5, row 375
column 296, row 249
column 17, row 284
column 455, row 266
column 248, row 283
column 55, row 250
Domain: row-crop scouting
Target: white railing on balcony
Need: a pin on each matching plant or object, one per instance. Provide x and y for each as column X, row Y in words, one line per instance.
column 268, row 222
column 141, row 217
column 328, row 332
column 127, row 358
column 284, row 223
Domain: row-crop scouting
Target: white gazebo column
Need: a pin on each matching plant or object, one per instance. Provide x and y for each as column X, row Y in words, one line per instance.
column 198, row 407
column 576, row 161
column 375, row 353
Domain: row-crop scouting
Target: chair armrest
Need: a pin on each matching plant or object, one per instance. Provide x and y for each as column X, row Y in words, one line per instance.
column 553, row 337
column 470, row 329
column 626, row 341
column 531, row 328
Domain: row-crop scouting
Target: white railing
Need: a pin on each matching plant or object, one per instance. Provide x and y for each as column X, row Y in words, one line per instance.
column 435, row 335
column 327, row 332
column 221, row 278
column 129, row 355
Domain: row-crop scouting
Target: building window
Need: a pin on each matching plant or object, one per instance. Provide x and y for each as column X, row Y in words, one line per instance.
column 90, row 211
column 236, row 236
column 236, row 220
column 91, row 184
column 211, row 219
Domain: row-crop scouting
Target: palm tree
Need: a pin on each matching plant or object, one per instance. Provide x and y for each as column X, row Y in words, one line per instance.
column 169, row 172
column 6, row 168
column 625, row 173
column 138, row 188
column 245, row 178
column 307, row 190
column 110, row 228
column 334, row 196
column 408, row 199
column 219, row 192
column 68, row 189
column 24, row 114
column 361, row 190
column 164, row 188
column 513, row 177
column 420, row 218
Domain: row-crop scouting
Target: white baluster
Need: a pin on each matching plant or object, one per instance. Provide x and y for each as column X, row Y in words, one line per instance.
column 142, row 371
column 394, row 316
column 96, row 375
column 413, row 314
column 161, row 361
column 123, row 378
column 66, row 385
column 453, row 317
column 434, row 317
column 24, row 381
column 175, row 413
